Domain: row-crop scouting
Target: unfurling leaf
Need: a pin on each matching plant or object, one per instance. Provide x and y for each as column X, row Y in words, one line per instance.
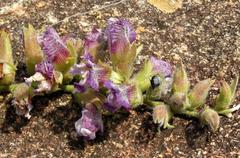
column 7, row 67
column 166, row 6
column 179, row 102
column 143, row 77
column 161, row 114
column 211, row 118
column 226, row 97
column 33, row 53
column 233, row 87
column 5, row 48
column 199, row 93
column 180, row 80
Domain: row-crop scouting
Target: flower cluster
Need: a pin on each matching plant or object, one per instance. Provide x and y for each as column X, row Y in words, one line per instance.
column 98, row 71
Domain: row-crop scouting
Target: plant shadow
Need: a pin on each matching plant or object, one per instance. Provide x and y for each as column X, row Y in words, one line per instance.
column 148, row 130
column 13, row 122
column 196, row 135
column 62, row 120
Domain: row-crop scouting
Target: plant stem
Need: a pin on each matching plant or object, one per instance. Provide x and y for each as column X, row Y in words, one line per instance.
column 68, row 88
column 4, row 89
column 191, row 113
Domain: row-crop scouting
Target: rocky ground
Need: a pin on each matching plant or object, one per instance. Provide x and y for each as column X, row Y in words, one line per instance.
column 205, row 36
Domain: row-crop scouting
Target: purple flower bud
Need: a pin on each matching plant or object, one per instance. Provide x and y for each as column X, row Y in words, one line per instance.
column 90, row 122
column 54, row 47
column 121, row 36
column 120, row 33
column 119, row 96
column 160, row 66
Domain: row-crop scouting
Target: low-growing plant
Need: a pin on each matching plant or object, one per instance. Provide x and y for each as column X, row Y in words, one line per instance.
column 99, row 72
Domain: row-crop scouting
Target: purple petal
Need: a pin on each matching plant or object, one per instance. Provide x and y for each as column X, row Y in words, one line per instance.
column 160, row 66
column 90, row 122
column 96, row 76
column 111, row 107
column 93, row 74
column 46, row 69
column 94, row 43
column 92, row 80
column 119, row 33
column 43, row 84
column 78, row 69
column 93, row 38
column 79, row 87
column 53, row 46
column 123, row 100
column 109, row 85
column 119, row 96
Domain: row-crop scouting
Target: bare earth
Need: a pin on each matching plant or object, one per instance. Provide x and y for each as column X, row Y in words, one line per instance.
column 207, row 38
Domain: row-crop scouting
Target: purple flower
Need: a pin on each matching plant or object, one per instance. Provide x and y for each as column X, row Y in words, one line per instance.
column 90, row 122
column 53, row 46
column 93, row 41
column 119, row 33
column 46, row 69
column 43, row 84
column 78, row 69
column 44, row 76
column 160, row 66
column 93, row 74
column 119, row 96
column 80, row 87
column 93, row 38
